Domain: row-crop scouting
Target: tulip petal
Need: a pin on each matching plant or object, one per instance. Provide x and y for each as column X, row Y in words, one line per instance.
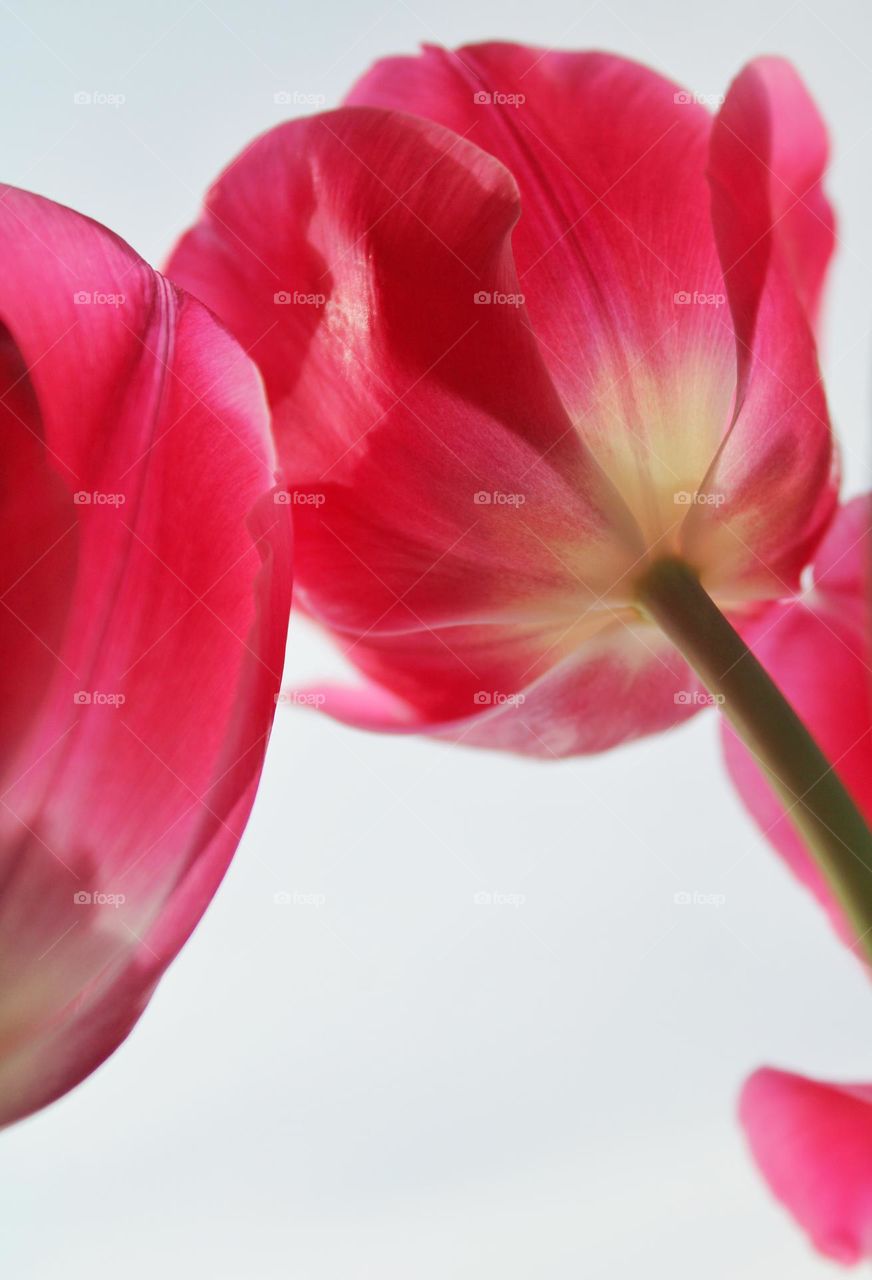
column 816, row 649
column 774, row 229
column 588, row 702
column 813, row 1143
column 147, row 431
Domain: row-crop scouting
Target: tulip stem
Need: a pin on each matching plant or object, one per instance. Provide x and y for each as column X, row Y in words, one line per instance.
column 807, row 784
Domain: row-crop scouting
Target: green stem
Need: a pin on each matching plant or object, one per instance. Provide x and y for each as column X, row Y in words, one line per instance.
column 818, row 805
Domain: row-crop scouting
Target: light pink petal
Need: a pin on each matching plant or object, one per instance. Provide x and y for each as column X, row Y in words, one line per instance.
column 813, row 1143
column 157, row 580
column 817, row 651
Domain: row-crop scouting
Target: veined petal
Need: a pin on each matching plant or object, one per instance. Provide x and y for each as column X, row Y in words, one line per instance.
column 157, row 579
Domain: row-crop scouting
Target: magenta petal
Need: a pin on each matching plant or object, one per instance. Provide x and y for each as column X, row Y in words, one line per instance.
column 150, row 583
column 813, row 1143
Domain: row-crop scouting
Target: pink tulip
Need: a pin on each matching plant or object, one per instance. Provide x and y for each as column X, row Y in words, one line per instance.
column 517, row 350
column 145, row 598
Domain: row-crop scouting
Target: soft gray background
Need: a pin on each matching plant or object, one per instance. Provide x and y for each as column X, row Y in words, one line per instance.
column 399, row 1084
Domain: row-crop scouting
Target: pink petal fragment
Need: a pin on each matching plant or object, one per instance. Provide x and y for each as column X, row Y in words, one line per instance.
column 813, row 1143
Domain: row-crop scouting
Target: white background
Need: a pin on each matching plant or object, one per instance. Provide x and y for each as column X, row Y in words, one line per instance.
column 400, row 1084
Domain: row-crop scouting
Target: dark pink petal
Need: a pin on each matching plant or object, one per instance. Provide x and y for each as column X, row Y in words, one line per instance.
column 813, row 1143
column 154, row 572
column 816, row 649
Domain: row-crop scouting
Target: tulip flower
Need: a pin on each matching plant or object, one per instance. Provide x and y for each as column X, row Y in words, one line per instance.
column 513, row 364
column 145, row 597
column 536, row 332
